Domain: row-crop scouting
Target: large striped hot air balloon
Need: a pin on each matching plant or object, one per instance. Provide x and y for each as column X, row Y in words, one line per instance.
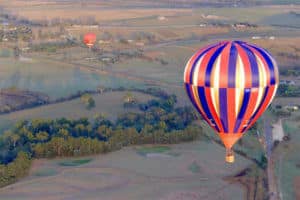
column 231, row 84
column 89, row 39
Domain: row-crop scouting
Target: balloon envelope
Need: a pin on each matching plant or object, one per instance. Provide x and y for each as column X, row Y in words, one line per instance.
column 231, row 84
column 89, row 39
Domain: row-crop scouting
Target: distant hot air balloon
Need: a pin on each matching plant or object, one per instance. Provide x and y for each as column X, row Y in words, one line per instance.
column 89, row 39
column 231, row 84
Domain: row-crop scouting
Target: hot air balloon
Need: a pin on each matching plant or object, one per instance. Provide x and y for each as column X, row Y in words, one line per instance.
column 89, row 39
column 231, row 83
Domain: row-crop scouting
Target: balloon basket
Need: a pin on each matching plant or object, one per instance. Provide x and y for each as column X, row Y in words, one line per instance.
column 229, row 158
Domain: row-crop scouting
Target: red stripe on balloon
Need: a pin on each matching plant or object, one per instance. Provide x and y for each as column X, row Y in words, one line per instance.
column 223, row 82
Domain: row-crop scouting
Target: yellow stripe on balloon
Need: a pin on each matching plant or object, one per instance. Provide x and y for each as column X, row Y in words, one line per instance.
column 196, row 71
column 215, row 99
column 240, row 85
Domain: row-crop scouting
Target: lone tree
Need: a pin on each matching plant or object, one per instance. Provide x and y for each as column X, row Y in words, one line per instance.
column 129, row 98
column 88, row 101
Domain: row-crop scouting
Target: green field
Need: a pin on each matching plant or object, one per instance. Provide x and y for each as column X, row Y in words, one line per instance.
column 287, row 163
column 152, row 149
column 110, row 104
column 45, row 172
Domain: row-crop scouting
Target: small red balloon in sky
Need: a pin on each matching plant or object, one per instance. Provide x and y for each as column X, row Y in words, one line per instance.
column 89, row 39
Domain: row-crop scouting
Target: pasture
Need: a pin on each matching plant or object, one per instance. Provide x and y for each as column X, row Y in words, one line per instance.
column 109, row 104
column 127, row 175
column 287, row 162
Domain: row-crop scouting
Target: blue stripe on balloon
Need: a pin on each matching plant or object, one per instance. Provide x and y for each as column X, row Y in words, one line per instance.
column 254, row 66
column 269, row 62
column 232, row 66
column 202, row 98
column 247, row 93
column 259, row 106
column 196, row 61
column 211, row 64
column 223, row 108
column 189, row 93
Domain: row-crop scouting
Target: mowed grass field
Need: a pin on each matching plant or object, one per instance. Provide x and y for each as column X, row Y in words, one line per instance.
column 127, row 174
column 288, row 160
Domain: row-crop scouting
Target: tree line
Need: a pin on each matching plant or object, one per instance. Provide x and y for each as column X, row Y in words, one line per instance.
column 286, row 90
column 158, row 121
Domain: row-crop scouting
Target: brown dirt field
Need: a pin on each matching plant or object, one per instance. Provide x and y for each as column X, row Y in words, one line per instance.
column 15, row 98
column 297, row 186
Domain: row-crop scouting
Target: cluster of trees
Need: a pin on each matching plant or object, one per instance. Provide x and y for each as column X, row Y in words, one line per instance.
column 15, row 170
column 143, row 36
column 286, row 90
column 289, row 55
column 52, row 47
column 22, row 32
column 50, row 34
column 157, row 122
column 290, row 72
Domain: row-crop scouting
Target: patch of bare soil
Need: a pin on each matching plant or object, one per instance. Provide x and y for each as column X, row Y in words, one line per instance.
column 15, row 99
